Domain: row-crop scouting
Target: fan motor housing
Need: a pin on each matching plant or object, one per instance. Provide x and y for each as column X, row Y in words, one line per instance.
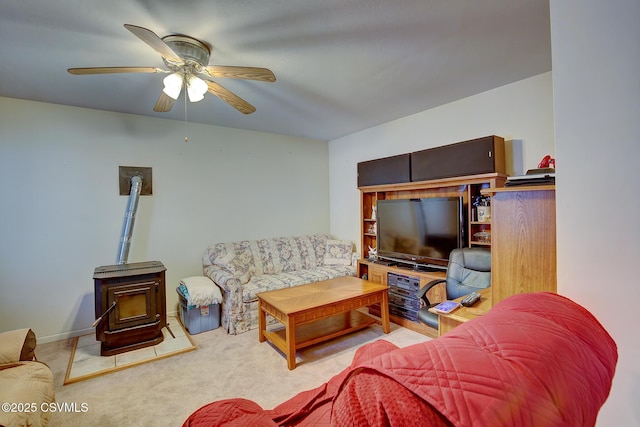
column 192, row 51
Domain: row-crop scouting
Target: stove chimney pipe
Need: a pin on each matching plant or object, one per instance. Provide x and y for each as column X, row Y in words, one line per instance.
column 129, row 219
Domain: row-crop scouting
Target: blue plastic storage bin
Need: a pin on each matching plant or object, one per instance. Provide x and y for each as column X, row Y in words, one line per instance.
column 198, row 319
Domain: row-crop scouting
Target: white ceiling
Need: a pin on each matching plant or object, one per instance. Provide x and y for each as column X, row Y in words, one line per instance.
column 341, row 65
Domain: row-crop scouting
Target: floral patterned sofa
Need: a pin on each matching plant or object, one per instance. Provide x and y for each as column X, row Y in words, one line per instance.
column 244, row 268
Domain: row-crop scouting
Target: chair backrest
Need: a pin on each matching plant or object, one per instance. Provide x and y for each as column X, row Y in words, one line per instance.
column 469, row 270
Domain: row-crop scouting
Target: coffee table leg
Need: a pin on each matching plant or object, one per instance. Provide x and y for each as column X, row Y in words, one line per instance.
column 384, row 312
column 262, row 322
column 290, row 335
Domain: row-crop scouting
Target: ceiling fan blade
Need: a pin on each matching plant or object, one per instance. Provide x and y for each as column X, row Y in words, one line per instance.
column 231, row 98
column 113, row 70
column 152, row 39
column 164, row 103
column 248, row 73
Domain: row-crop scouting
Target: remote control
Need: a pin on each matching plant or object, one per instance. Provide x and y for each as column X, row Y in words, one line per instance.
column 470, row 299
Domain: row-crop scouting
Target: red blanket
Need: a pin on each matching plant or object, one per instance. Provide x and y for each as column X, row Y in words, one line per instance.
column 310, row 408
column 533, row 360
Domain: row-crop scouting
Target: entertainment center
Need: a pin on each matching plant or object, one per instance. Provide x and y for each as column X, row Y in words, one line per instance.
column 466, row 189
column 520, row 232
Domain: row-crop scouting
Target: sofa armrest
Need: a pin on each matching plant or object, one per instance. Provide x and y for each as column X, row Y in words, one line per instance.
column 223, row 278
column 17, row 345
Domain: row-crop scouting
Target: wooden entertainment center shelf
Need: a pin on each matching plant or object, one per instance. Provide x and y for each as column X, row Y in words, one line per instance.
column 379, row 273
column 467, row 187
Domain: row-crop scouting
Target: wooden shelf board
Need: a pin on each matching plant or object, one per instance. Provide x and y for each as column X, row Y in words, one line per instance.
column 414, row 326
column 322, row 330
column 421, row 328
column 518, row 188
column 436, row 183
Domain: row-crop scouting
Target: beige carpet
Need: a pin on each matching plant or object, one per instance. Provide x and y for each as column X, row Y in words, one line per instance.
column 86, row 362
column 167, row 391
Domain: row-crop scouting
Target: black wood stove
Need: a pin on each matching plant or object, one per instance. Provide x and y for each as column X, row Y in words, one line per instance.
column 130, row 299
column 130, row 302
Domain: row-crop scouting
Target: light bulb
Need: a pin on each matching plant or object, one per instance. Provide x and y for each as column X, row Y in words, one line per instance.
column 196, row 88
column 173, row 85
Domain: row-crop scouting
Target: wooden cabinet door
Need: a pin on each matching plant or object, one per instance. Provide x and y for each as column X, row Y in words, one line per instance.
column 377, row 274
column 523, row 253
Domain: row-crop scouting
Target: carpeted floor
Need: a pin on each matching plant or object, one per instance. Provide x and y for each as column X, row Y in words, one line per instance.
column 165, row 392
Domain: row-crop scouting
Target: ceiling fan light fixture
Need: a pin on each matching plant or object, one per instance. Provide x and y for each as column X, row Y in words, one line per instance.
column 173, row 85
column 185, row 59
column 196, row 88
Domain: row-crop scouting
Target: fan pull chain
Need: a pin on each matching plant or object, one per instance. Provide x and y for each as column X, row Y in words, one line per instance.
column 186, row 138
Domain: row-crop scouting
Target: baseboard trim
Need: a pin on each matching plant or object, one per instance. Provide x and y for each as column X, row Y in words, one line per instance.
column 79, row 332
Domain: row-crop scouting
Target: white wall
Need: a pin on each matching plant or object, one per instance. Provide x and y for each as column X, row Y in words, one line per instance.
column 61, row 213
column 596, row 75
column 521, row 112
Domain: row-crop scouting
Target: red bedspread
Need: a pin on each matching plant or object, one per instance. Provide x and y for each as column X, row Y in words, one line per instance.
column 533, row 360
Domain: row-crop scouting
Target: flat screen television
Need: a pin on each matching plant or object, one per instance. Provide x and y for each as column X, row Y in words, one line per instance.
column 422, row 232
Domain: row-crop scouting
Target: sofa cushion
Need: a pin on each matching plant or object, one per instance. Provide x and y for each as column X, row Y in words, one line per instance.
column 30, row 383
column 270, row 282
column 17, row 345
column 248, row 258
column 338, row 252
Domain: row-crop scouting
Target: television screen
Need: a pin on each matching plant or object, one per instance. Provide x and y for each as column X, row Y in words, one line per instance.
column 422, row 231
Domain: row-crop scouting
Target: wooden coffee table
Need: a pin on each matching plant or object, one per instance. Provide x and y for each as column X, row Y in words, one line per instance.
column 320, row 311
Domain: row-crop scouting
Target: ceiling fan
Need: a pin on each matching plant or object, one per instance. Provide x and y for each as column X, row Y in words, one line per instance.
column 187, row 61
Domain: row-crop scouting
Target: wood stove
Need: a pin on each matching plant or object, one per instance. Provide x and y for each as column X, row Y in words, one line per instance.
column 130, row 303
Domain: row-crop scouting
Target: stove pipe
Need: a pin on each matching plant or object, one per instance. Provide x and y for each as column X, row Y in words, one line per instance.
column 129, row 219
